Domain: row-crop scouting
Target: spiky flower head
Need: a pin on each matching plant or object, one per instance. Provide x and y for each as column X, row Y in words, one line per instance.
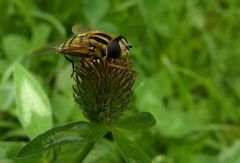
column 103, row 88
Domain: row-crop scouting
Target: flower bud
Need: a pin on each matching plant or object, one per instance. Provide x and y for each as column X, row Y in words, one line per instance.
column 103, row 88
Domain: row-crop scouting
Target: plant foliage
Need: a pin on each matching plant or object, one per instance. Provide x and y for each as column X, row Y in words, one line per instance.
column 186, row 53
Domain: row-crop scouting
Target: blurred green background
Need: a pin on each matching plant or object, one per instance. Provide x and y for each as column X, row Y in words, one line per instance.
column 186, row 53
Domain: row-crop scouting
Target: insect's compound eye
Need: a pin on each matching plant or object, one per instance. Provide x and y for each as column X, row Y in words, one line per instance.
column 114, row 49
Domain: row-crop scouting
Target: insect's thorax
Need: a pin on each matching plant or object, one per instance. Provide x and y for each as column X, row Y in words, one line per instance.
column 99, row 41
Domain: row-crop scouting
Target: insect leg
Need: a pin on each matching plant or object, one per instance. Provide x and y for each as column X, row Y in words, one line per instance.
column 72, row 64
column 117, row 66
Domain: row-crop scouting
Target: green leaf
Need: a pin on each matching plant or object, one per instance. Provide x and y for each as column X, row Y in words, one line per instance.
column 39, row 40
column 34, row 110
column 6, row 96
column 15, row 46
column 60, row 102
column 51, row 20
column 107, row 26
column 8, row 149
column 3, row 64
column 98, row 10
column 62, row 84
column 14, row 133
column 129, row 150
column 77, row 131
column 101, row 153
column 150, row 95
column 176, row 123
column 231, row 154
column 138, row 121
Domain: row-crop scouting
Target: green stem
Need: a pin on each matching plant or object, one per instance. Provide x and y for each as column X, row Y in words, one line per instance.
column 85, row 151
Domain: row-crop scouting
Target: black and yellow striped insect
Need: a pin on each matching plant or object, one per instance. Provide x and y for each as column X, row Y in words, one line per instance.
column 92, row 45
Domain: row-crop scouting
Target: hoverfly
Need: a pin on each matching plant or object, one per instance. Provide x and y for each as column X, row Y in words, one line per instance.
column 92, row 45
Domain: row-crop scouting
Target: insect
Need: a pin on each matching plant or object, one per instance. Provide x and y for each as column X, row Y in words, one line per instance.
column 92, row 45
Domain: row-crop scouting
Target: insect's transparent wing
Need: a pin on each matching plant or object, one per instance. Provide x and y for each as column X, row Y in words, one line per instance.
column 80, row 29
column 52, row 48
